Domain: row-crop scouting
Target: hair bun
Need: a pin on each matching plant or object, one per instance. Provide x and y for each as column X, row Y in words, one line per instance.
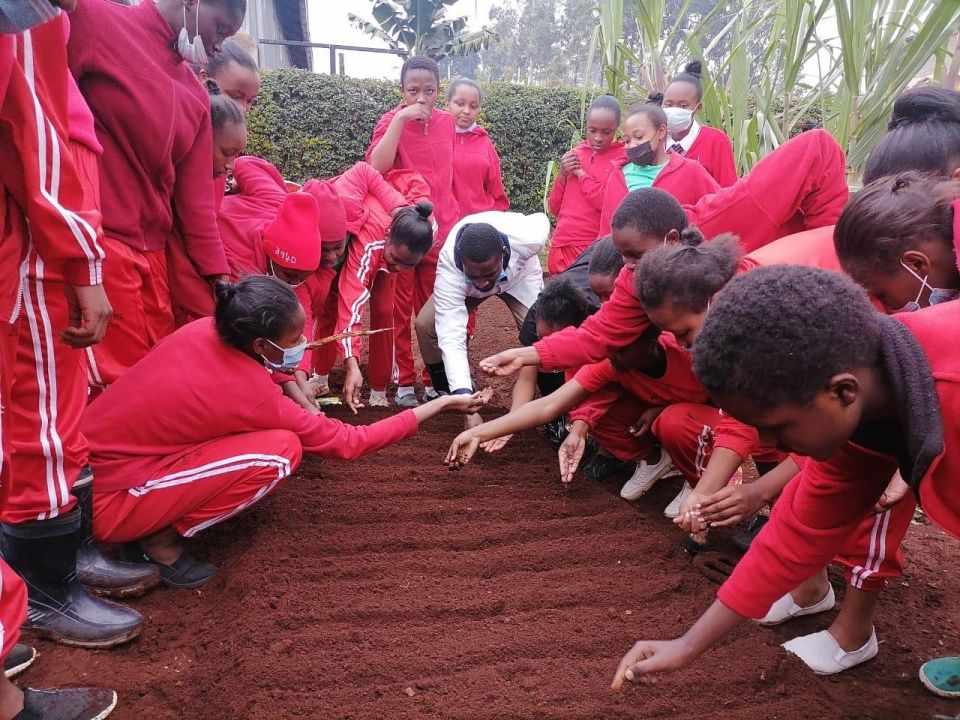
column 656, row 98
column 694, row 67
column 691, row 236
column 224, row 291
column 212, row 87
column 424, row 209
column 925, row 104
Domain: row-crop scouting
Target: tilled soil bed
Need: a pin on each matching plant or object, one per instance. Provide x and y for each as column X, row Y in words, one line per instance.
column 393, row 588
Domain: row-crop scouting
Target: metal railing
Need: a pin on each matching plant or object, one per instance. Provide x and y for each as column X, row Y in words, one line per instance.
column 334, row 47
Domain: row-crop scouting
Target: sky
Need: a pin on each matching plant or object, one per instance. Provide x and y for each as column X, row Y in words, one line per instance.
column 329, row 24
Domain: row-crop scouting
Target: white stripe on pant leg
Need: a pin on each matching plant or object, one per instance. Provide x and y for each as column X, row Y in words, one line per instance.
column 3, row 630
column 42, row 401
column 283, row 470
column 218, row 467
column 94, row 378
column 884, row 525
column 702, row 441
column 855, row 578
column 60, row 476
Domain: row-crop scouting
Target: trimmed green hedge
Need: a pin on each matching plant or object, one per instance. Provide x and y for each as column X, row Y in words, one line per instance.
column 312, row 125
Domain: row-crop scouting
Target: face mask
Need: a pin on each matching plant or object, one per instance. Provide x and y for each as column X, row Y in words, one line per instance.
column 191, row 52
column 273, row 271
column 291, row 357
column 642, row 154
column 937, row 295
column 17, row 16
column 461, row 131
column 678, row 119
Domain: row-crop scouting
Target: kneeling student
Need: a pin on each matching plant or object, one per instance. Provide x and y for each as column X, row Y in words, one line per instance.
column 194, row 461
column 487, row 254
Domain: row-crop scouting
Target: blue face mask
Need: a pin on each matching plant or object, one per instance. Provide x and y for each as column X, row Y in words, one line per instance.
column 291, row 357
column 937, row 295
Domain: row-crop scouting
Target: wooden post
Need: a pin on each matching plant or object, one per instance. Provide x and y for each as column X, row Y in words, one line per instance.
column 333, row 59
column 343, row 71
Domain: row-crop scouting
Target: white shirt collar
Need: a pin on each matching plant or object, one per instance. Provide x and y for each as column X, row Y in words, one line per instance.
column 690, row 137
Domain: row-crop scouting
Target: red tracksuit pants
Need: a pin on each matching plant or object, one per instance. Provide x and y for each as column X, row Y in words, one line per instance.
column 872, row 553
column 13, row 591
column 379, row 347
column 612, row 430
column 48, row 391
column 136, row 284
column 560, row 258
column 413, row 288
column 196, row 489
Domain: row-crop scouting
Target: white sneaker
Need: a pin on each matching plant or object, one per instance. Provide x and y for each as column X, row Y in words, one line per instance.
column 645, row 476
column 673, row 509
column 824, row 656
column 786, row 609
column 378, row 400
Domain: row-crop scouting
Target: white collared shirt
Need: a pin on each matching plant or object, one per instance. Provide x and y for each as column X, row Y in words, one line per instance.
column 689, row 139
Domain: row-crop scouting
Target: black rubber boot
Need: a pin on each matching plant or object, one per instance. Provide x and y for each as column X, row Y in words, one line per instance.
column 44, row 553
column 438, row 375
column 548, row 382
column 67, row 704
column 99, row 572
column 557, row 431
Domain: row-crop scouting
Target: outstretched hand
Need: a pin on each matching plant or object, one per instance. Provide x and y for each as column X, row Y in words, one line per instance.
column 468, row 404
column 507, row 362
column 462, row 449
column 569, row 455
column 647, row 657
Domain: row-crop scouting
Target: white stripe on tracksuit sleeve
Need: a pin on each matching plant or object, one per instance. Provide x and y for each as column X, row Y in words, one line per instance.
column 527, row 235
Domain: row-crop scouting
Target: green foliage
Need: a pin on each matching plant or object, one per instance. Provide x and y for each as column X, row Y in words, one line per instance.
column 318, row 125
column 421, row 27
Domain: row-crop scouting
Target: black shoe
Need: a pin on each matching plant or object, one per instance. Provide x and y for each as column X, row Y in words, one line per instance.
column 742, row 540
column 187, row 572
column 67, row 704
column 44, row 553
column 438, row 376
column 18, row 659
column 603, row 466
column 99, row 572
column 693, row 546
column 557, row 431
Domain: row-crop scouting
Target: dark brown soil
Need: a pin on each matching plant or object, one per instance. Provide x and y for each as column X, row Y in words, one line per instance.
column 392, row 588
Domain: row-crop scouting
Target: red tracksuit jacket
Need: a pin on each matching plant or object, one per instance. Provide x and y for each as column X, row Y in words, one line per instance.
column 153, row 120
column 828, row 500
column 685, row 179
column 714, row 151
column 578, row 202
column 477, row 179
column 428, row 149
column 128, row 444
column 39, row 184
column 365, row 249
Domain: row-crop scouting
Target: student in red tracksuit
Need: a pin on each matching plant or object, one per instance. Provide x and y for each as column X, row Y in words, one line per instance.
column 800, row 186
column 235, row 72
column 52, row 231
column 477, row 179
column 711, row 147
column 676, row 286
column 191, row 463
column 648, row 164
column 896, row 238
column 191, row 297
column 387, row 243
column 652, row 371
column 577, row 195
column 417, row 136
column 53, row 227
column 153, row 120
column 870, row 394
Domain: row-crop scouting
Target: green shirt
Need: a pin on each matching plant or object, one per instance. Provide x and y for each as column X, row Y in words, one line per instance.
column 640, row 176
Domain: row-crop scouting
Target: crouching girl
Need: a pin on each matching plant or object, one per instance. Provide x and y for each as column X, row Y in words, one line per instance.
column 218, row 434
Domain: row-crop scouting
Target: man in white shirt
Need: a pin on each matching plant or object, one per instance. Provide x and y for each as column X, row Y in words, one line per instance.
column 487, row 254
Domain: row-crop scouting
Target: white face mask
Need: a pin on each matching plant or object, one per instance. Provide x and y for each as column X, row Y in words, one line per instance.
column 678, row 119
column 192, row 52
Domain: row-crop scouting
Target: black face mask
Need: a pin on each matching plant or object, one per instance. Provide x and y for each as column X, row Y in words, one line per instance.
column 642, row 154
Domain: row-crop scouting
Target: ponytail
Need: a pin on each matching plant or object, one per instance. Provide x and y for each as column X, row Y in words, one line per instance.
column 411, row 227
column 692, row 73
column 223, row 110
column 258, row 306
column 689, row 274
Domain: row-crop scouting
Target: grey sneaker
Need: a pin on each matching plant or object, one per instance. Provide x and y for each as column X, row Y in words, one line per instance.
column 407, row 400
